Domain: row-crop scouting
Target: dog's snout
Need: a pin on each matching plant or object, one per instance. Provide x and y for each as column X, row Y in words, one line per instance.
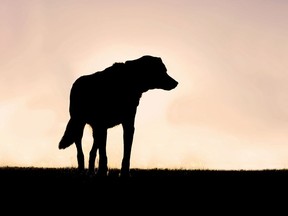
column 175, row 83
column 169, row 83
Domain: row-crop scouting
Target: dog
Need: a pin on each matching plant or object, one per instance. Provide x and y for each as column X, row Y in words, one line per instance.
column 108, row 98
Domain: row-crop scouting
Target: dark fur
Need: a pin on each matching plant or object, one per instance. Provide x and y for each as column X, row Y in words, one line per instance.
column 108, row 98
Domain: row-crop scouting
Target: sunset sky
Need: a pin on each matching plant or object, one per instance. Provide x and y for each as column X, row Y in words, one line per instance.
column 229, row 111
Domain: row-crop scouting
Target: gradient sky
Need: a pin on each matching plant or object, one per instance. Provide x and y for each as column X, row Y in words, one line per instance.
column 229, row 111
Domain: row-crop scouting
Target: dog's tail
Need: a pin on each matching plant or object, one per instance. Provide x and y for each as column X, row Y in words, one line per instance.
column 72, row 132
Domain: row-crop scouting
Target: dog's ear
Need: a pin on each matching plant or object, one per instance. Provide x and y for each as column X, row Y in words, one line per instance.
column 144, row 65
column 151, row 63
column 148, row 59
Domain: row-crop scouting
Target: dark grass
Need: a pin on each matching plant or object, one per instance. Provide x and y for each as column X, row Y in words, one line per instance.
column 159, row 177
column 170, row 191
column 71, row 174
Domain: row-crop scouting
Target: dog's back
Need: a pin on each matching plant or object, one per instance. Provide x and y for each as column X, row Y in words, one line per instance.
column 104, row 97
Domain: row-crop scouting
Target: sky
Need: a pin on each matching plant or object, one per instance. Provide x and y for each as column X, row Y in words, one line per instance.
column 229, row 111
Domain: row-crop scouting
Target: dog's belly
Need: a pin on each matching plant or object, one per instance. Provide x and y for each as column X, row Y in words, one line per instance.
column 108, row 111
column 107, row 118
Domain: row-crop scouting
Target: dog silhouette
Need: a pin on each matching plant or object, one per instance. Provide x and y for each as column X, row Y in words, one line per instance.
column 108, row 98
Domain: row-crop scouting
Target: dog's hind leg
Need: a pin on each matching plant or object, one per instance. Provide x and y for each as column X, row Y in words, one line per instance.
column 100, row 138
column 78, row 142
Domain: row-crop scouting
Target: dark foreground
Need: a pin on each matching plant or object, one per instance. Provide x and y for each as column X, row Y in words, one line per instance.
column 22, row 177
column 167, row 190
column 71, row 175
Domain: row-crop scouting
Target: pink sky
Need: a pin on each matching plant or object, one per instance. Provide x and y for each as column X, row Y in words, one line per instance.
column 229, row 111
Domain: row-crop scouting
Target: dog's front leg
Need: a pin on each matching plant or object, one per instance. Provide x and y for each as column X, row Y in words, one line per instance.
column 128, row 133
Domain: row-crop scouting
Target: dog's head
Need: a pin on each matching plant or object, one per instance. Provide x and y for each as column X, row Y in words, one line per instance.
column 152, row 73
